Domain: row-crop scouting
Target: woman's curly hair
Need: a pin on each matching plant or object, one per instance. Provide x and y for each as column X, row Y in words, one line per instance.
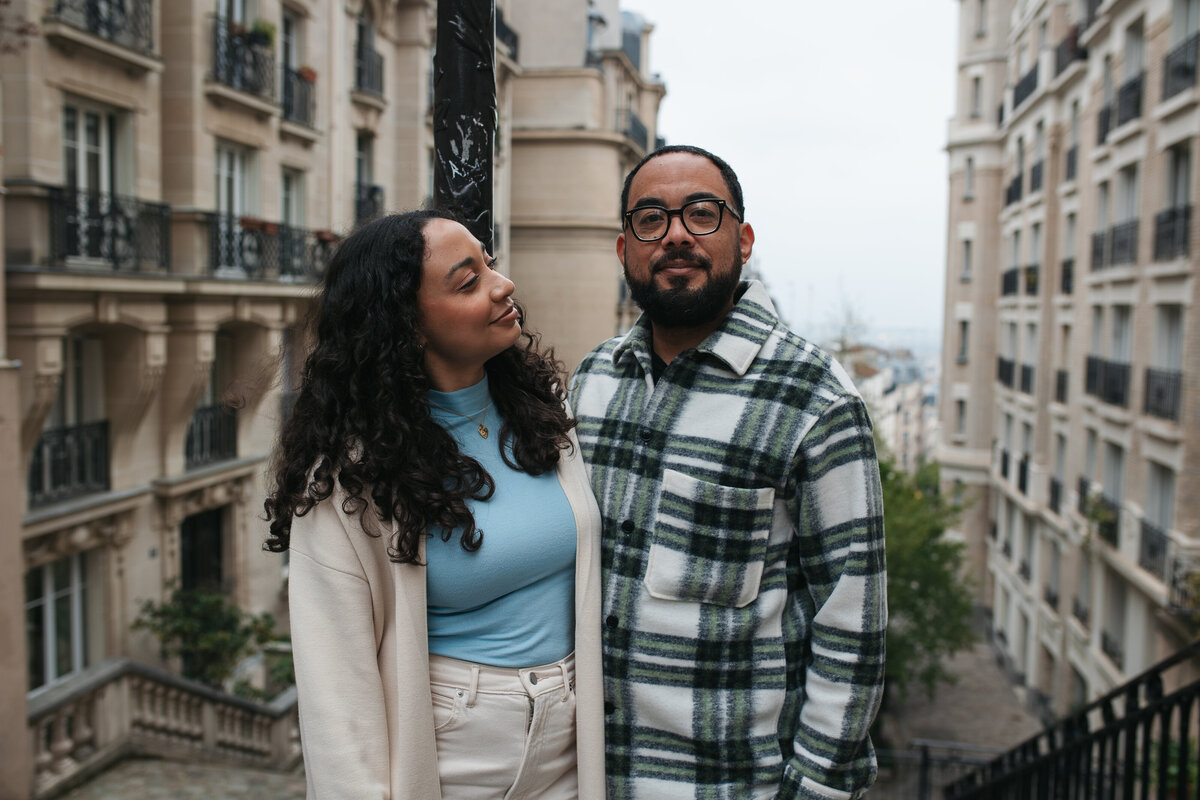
column 362, row 413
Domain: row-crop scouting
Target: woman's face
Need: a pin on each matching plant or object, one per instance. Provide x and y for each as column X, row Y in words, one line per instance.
column 466, row 308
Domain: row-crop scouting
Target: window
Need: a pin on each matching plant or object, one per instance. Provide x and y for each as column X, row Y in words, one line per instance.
column 1089, row 454
column 92, row 138
column 966, row 260
column 232, row 177
column 1043, row 34
column 976, row 97
column 980, row 18
column 56, row 619
column 964, row 340
column 1016, row 249
column 969, row 179
column 1127, row 187
column 233, row 10
column 1031, row 344
column 960, row 417
column 1039, row 142
column 1168, row 337
column 290, row 41
column 1020, row 155
column 1069, row 238
column 1135, row 51
column 1113, row 479
column 201, row 543
column 1035, row 243
column 1053, row 576
column 1160, row 496
column 1010, row 341
column 81, row 391
column 1074, row 123
column 1122, row 334
column 1102, row 206
column 1185, row 20
column 1109, row 91
column 1179, row 175
column 1060, row 456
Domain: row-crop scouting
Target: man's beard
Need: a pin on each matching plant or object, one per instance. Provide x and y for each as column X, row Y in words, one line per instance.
column 680, row 307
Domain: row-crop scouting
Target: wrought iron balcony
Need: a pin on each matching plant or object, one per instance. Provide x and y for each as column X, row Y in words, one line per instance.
column 1050, row 595
column 1027, row 373
column 90, row 229
column 1061, row 382
column 299, row 94
column 1099, row 245
column 128, row 23
column 1093, row 368
column 211, row 436
column 1080, row 610
column 1068, row 50
column 1072, row 162
column 1107, row 380
column 1004, row 371
column 635, row 129
column 1013, row 193
column 1129, row 99
column 1112, row 647
column 1004, row 463
column 1032, row 271
column 1152, row 550
column 1103, row 123
column 241, row 60
column 506, row 36
column 1164, row 388
column 368, row 70
column 1055, row 495
column 1171, row 233
column 1026, row 86
column 1067, row 276
column 1023, row 475
column 1010, row 281
column 1124, row 243
column 254, row 249
column 1179, row 67
column 1035, row 176
column 69, row 462
column 368, row 202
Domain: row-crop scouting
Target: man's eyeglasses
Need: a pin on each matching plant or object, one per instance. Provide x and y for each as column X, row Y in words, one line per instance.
column 700, row 217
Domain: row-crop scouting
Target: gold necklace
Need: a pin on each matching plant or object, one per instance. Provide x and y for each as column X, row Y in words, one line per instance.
column 483, row 431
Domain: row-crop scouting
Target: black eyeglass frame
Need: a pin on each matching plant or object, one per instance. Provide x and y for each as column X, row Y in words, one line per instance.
column 722, row 207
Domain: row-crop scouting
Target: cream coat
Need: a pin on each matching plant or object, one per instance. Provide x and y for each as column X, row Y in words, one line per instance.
column 362, row 658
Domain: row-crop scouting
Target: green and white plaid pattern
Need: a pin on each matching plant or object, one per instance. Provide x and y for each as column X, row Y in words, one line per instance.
column 743, row 564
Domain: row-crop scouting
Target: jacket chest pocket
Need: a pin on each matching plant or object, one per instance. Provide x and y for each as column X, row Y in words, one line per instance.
column 710, row 542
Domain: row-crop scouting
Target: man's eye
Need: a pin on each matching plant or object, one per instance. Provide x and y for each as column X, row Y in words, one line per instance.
column 651, row 217
column 705, row 214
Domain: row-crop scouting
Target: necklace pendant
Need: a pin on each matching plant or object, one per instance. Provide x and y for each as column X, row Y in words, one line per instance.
column 483, row 431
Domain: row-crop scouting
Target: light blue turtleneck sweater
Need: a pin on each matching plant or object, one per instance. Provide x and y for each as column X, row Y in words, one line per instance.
column 512, row 602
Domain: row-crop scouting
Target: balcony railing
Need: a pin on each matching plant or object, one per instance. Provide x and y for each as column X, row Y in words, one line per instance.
column 1072, row 162
column 635, row 129
column 1026, row 86
column 1055, row 495
column 1023, row 475
column 89, row 229
column 241, row 61
column 1068, row 50
column 129, row 23
column 1124, row 243
column 1108, row 380
column 254, row 249
column 1111, row 645
column 368, row 70
column 69, row 462
column 1067, row 276
column 1129, row 99
column 1099, row 242
column 1004, row 371
column 1103, row 123
column 1010, row 281
column 1061, row 382
column 1080, row 610
column 1164, row 388
column 1027, row 373
column 1032, row 271
column 1035, row 176
column 211, row 436
column 1013, row 193
column 1171, row 233
column 506, row 35
column 299, row 94
column 1179, row 67
column 1152, row 550
column 368, row 201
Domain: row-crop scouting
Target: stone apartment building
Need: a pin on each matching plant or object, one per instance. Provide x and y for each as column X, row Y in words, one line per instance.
column 175, row 176
column 1070, row 402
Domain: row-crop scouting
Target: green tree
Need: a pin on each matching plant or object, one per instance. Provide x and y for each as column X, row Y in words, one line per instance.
column 929, row 603
column 208, row 632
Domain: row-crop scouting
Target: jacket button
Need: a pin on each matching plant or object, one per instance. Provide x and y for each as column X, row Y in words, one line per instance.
column 645, row 434
column 611, row 621
column 627, row 526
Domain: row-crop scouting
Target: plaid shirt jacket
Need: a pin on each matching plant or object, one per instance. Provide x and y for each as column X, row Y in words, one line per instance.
column 744, row 588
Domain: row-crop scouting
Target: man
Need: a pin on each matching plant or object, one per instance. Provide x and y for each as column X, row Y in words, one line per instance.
column 743, row 566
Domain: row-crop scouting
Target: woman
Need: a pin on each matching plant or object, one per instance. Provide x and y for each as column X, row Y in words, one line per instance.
column 444, row 572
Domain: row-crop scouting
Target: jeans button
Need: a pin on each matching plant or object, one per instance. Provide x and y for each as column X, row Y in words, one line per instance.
column 533, row 678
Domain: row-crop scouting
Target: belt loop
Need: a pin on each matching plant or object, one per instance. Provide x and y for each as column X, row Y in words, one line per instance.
column 473, row 686
column 562, row 666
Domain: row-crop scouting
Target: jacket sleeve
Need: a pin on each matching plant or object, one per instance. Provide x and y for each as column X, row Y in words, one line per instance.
column 839, row 595
column 343, row 728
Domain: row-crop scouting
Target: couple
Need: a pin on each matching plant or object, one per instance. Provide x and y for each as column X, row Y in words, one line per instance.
column 454, row 589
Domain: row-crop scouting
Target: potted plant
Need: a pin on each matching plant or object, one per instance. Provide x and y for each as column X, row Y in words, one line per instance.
column 251, row 223
column 326, row 235
column 307, row 74
column 262, row 33
column 270, row 228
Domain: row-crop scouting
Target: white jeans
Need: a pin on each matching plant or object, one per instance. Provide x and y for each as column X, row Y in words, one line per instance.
column 504, row 734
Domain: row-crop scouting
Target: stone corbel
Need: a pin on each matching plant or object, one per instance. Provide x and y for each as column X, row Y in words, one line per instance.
column 44, row 354
column 51, row 546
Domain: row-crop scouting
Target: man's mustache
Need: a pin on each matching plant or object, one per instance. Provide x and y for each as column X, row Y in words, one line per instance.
column 674, row 260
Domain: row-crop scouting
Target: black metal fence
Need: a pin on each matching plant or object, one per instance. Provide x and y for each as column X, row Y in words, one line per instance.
column 298, row 97
column 1068, row 50
column 211, row 436
column 1171, row 233
column 1129, row 99
column 1179, row 67
column 368, row 69
column 1152, row 549
column 1124, row 243
column 1136, row 742
column 69, row 462
column 1025, row 86
column 1010, row 281
column 242, row 59
column 1164, row 388
column 123, row 233
column 129, row 23
column 260, row 250
column 1108, row 380
column 920, row 772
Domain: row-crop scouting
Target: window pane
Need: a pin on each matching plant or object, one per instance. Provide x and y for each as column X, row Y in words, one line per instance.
column 62, row 636
column 35, row 640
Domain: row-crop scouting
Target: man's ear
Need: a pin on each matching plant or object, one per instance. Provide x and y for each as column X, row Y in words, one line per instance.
column 621, row 246
column 746, row 240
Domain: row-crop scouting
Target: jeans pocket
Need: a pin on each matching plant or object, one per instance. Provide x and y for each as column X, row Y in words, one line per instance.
column 449, row 705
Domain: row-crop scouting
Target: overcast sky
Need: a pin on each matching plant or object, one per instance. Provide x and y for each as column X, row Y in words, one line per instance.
column 834, row 116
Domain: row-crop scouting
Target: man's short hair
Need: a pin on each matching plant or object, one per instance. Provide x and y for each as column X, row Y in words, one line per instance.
column 731, row 179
